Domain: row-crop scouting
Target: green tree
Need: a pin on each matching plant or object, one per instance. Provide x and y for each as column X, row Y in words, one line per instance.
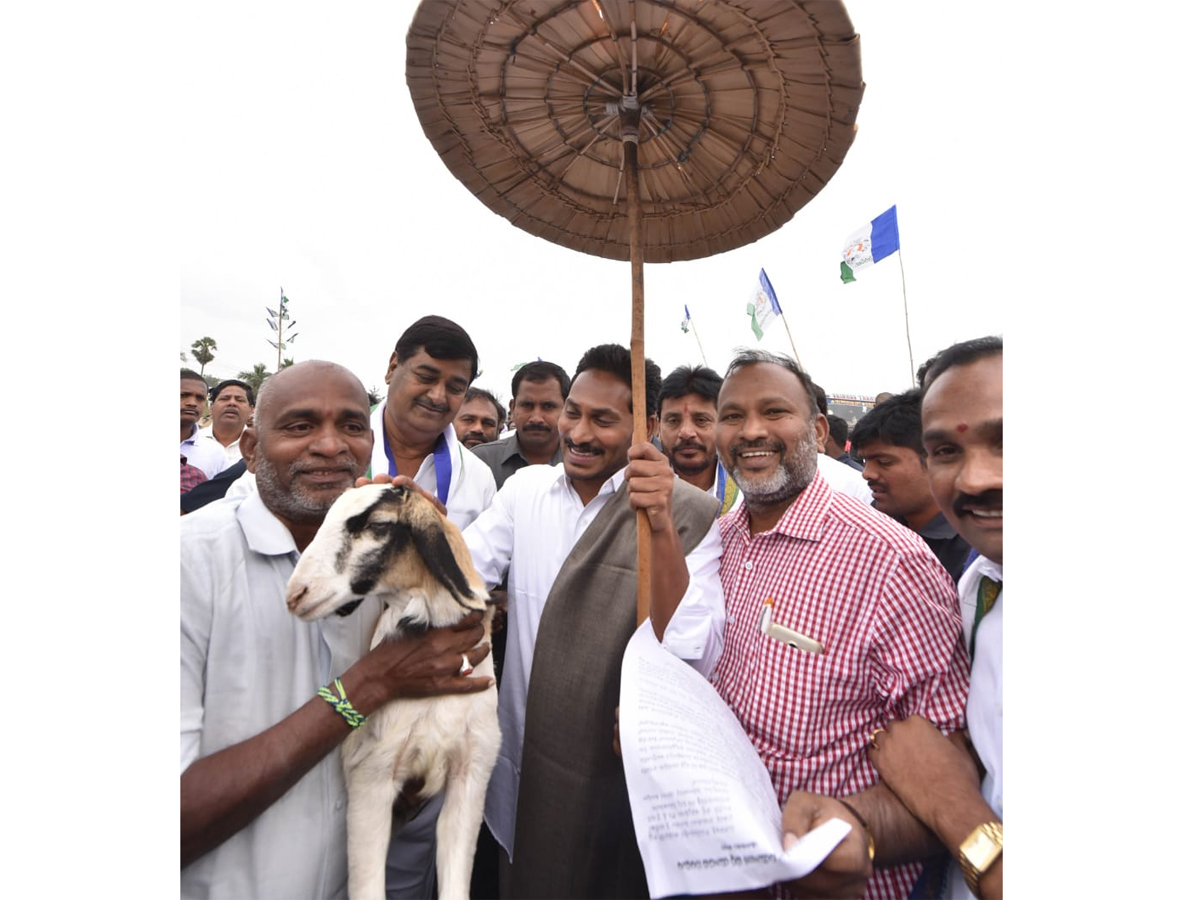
column 373, row 396
column 286, row 362
column 203, row 351
column 256, row 377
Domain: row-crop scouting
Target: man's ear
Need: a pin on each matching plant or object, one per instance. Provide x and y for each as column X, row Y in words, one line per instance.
column 247, row 444
column 651, row 425
column 512, row 404
column 821, row 426
column 393, row 363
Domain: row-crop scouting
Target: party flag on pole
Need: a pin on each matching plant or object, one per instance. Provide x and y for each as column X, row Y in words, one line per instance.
column 687, row 318
column 763, row 307
column 870, row 243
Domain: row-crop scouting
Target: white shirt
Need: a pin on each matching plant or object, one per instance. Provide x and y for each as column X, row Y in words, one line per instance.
column 472, row 484
column 985, row 702
column 528, row 531
column 206, row 455
column 246, row 663
column 233, row 452
column 844, row 478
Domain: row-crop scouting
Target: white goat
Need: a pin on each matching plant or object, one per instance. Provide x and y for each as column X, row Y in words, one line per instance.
column 392, row 543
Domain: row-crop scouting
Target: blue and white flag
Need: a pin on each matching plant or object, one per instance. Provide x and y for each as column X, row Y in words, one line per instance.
column 687, row 318
column 763, row 307
column 870, row 243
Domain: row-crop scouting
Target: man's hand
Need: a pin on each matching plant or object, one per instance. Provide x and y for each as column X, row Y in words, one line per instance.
column 651, row 481
column 846, row 870
column 402, row 481
column 419, row 666
column 923, row 767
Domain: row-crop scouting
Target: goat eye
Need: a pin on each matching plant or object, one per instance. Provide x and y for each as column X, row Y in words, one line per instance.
column 380, row 529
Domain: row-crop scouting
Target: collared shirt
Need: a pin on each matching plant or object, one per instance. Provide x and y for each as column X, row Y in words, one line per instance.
column 985, row 705
column 189, row 476
column 844, row 479
column 504, row 457
column 206, row 455
column 471, row 484
column 885, row 611
column 527, row 532
column 847, row 459
column 233, row 452
column 246, row 663
column 946, row 543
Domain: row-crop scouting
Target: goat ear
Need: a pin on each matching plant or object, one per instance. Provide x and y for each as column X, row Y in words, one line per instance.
column 429, row 538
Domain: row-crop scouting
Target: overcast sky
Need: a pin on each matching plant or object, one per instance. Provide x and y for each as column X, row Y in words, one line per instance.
column 314, row 175
column 168, row 162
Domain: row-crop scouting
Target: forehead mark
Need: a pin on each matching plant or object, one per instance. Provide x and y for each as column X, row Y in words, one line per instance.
column 961, row 427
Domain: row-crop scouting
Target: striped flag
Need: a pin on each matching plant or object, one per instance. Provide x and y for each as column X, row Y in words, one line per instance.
column 869, row 244
column 687, row 318
column 763, row 307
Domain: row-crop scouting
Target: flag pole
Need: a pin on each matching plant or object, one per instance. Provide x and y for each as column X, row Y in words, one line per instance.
column 698, row 344
column 795, row 355
column 907, row 333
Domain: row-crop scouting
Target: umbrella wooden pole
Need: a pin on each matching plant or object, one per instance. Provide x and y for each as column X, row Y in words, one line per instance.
column 637, row 349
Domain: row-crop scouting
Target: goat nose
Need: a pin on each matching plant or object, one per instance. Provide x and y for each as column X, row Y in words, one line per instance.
column 295, row 595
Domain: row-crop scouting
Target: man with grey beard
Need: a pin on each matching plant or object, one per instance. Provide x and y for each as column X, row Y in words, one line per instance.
column 262, row 797
column 839, row 619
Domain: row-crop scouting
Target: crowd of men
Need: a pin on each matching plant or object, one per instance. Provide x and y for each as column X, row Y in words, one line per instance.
column 757, row 506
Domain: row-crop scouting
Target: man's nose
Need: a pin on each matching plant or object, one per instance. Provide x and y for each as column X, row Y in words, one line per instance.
column 328, row 441
column 982, row 470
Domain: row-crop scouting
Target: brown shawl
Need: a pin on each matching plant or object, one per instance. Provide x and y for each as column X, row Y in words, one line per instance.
column 574, row 832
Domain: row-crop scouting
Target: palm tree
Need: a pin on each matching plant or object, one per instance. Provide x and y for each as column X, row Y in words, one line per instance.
column 256, row 377
column 203, row 351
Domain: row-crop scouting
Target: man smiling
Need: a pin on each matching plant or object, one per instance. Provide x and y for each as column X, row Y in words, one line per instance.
column 800, row 555
column 262, row 796
column 962, row 415
column 427, row 376
column 565, row 537
column 687, row 414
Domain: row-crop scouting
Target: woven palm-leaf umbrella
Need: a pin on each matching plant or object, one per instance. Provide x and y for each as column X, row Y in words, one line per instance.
column 640, row 130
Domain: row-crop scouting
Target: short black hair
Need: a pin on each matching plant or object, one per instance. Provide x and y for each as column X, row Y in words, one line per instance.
column 699, row 380
column 963, row 354
column 476, row 393
column 839, row 429
column 232, row 382
column 618, row 361
column 822, row 400
column 190, row 375
column 441, row 339
column 897, row 421
column 753, row 357
column 540, row 371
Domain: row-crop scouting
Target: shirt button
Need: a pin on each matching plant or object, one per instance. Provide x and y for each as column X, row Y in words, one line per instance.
column 749, row 565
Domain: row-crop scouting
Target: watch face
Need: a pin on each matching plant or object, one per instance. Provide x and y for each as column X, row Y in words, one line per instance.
column 980, row 849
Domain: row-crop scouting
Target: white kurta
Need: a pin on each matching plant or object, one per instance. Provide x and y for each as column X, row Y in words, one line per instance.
column 532, row 525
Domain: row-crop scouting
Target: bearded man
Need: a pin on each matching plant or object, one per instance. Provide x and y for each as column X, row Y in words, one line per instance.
column 839, row 620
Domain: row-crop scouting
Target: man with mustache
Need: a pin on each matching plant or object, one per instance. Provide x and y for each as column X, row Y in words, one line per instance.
column 427, row 376
column 888, row 438
column 479, row 418
column 839, row 620
column 962, row 416
column 539, row 390
column 232, row 406
column 262, row 796
column 687, row 422
column 565, row 536
column 199, row 452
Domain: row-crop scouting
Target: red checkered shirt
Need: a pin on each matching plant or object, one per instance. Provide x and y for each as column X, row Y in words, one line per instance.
column 189, row 476
column 885, row 611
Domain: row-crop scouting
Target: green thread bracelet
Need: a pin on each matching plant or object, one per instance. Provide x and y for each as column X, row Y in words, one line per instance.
column 343, row 706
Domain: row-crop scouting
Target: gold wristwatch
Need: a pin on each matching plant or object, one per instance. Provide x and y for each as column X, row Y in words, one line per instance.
column 977, row 853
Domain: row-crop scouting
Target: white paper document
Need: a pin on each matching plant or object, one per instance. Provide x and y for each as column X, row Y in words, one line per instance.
column 704, row 809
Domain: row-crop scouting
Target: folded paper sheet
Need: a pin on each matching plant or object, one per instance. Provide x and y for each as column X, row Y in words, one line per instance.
column 705, row 812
